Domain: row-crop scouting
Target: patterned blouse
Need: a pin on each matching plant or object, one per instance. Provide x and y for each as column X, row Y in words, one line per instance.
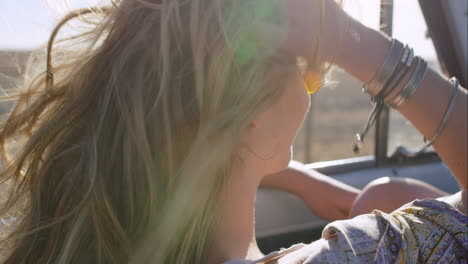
column 424, row 231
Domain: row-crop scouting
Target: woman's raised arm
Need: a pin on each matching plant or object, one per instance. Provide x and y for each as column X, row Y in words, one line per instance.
column 361, row 51
column 362, row 54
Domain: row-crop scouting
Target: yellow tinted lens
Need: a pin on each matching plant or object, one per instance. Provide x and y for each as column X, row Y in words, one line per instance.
column 312, row 82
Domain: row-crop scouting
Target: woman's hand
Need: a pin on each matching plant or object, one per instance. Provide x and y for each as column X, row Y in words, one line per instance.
column 321, row 31
column 315, row 29
column 326, row 197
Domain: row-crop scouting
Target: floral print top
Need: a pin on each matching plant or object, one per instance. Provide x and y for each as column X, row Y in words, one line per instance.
column 424, row 231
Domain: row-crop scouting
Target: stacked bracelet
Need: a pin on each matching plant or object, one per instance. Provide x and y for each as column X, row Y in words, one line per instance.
column 410, row 88
column 397, row 65
column 391, row 62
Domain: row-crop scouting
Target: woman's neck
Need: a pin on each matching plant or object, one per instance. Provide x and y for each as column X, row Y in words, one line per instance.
column 235, row 231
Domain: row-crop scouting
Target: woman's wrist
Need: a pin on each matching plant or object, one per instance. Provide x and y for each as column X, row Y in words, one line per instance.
column 363, row 51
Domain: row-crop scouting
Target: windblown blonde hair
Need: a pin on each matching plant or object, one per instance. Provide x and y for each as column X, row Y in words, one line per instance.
column 129, row 135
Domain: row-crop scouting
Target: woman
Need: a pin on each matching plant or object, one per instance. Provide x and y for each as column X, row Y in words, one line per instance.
column 147, row 145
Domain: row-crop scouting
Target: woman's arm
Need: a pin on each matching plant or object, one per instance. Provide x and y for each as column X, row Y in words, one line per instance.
column 363, row 52
column 328, row 198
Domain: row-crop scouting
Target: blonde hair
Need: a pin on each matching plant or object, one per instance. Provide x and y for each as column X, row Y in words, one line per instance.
column 129, row 134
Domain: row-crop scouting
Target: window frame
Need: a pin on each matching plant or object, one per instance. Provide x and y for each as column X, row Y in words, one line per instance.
column 382, row 124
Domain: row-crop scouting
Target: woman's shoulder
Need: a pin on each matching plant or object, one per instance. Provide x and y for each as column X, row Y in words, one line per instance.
column 428, row 230
column 368, row 238
column 346, row 241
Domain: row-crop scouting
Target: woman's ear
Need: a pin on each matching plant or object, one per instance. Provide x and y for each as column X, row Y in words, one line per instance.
column 254, row 124
column 249, row 133
column 258, row 140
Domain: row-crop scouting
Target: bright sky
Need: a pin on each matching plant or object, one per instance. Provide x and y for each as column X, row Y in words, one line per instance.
column 26, row 24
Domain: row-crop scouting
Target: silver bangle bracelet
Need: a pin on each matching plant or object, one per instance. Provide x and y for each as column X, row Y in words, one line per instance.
column 406, row 55
column 412, row 85
column 447, row 115
column 397, row 51
column 410, row 58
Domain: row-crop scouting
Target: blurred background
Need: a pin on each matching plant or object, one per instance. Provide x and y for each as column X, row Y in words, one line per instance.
column 338, row 111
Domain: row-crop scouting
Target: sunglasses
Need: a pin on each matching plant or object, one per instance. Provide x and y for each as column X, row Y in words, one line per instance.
column 312, row 80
